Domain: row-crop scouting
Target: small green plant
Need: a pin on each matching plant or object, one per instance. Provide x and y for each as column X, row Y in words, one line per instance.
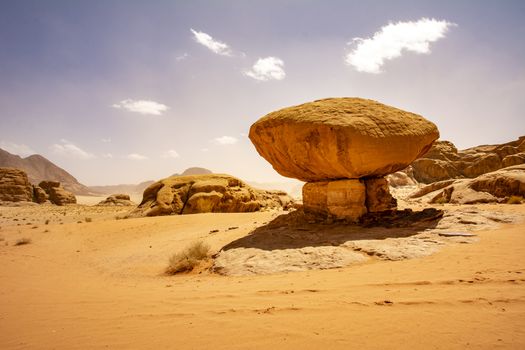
column 188, row 258
column 22, row 241
column 514, row 200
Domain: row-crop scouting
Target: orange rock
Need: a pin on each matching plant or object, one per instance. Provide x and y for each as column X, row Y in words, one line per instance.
column 342, row 199
column 339, row 138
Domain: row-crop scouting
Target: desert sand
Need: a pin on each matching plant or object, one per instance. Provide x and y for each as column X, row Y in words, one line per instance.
column 99, row 283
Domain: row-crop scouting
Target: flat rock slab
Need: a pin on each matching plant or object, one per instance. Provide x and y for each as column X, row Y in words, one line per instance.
column 456, row 234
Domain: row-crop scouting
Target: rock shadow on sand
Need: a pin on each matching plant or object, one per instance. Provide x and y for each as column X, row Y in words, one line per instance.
column 297, row 230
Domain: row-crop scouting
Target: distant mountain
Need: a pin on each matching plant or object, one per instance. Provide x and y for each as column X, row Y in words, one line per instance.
column 39, row 168
column 194, row 171
column 126, row 189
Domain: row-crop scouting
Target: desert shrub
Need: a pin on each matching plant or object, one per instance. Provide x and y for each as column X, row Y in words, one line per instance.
column 188, row 258
column 89, row 219
column 47, row 222
column 22, row 241
column 514, row 200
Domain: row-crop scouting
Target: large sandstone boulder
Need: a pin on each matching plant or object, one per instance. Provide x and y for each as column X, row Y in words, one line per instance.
column 56, row 194
column 212, row 193
column 341, row 138
column 117, row 200
column 15, row 186
column 443, row 161
column 492, row 187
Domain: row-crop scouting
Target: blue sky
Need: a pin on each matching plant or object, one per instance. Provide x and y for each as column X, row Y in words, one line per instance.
column 73, row 75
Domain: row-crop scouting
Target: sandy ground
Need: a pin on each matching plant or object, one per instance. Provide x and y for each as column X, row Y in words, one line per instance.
column 98, row 283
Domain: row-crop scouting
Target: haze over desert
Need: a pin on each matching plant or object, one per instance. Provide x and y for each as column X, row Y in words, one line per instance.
column 263, row 174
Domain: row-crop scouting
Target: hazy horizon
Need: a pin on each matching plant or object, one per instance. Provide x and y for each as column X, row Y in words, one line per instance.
column 120, row 92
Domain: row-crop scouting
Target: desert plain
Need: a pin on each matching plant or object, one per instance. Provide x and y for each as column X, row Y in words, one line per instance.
column 88, row 280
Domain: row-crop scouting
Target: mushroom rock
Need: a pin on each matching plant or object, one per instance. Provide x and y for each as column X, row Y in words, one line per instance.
column 342, row 148
column 341, row 138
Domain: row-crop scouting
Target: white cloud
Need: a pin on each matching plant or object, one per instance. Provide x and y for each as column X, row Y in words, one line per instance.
column 15, row 148
column 267, row 69
column 182, row 57
column 225, row 140
column 108, row 140
column 171, row 154
column 204, row 149
column 136, row 156
column 216, row 46
column 68, row 149
column 107, row 156
column 142, row 106
column 370, row 54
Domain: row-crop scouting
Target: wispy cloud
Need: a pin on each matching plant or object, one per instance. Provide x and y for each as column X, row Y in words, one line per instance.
column 170, row 154
column 370, row 54
column 182, row 57
column 225, row 140
column 68, row 149
column 15, row 148
column 108, row 140
column 136, row 156
column 141, row 106
column 269, row 68
column 216, row 46
column 107, row 155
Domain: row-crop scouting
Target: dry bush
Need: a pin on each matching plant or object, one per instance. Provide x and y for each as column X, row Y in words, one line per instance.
column 22, row 241
column 188, row 258
column 88, row 219
column 514, row 200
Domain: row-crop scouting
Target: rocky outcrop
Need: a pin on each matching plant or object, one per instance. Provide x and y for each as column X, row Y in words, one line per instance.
column 493, row 187
column 15, row 186
column 39, row 195
column 56, row 194
column 117, row 200
column 443, row 161
column 343, row 148
column 340, row 138
column 213, row 193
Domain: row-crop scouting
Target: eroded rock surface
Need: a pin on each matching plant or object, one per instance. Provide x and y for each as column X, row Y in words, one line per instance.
column 56, row 194
column 443, row 161
column 212, row 193
column 117, row 200
column 15, row 186
column 492, row 187
column 341, row 138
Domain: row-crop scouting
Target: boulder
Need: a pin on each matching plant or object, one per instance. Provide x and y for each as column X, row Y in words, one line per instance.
column 57, row 194
column 338, row 138
column 493, row 187
column 400, row 179
column 39, row 195
column 211, row 193
column 117, row 200
column 15, row 186
column 443, row 161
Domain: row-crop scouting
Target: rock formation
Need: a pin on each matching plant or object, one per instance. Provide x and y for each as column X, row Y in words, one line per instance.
column 15, row 186
column 212, row 193
column 443, row 161
column 117, row 200
column 493, row 187
column 342, row 148
column 56, row 194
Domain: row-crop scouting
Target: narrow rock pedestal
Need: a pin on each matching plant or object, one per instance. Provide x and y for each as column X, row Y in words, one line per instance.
column 347, row 199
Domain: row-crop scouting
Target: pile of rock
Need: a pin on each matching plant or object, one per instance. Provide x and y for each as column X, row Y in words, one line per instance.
column 211, row 193
column 117, row 200
column 56, row 194
column 443, row 161
column 342, row 148
column 15, row 187
column 494, row 187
